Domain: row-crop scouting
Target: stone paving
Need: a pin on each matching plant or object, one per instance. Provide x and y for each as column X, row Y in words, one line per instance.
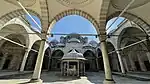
column 56, row 78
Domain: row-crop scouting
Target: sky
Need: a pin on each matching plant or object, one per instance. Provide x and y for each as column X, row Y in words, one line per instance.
column 73, row 24
column 114, row 26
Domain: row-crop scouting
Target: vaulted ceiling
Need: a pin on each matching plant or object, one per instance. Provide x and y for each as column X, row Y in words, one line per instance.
column 97, row 11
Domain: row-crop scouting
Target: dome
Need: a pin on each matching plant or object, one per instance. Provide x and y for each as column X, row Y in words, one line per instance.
column 87, row 45
column 93, row 43
column 74, row 40
column 73, row 55
column 60, row 44
column 73, row 35
column 54, row 41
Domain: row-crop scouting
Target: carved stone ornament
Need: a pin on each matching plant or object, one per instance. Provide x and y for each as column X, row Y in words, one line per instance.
column 75, row 3
column 26, row 3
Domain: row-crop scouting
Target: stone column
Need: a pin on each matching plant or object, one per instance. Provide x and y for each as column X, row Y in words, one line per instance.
column 3, row 60
column 120, row 61
column 24, row 59
column 67, row 68
column 78, row 68
column 84, row 68
column 49, row 61
column 61, row 67
column 142, row 65
column 81, row 67
column 108, row 74
column 131, row 61
column 39, row 62
column 125, row 63
column 16, row 60
column 148, row 56
column 97, row 64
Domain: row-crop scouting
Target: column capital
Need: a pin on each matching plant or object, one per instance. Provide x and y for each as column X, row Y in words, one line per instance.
column 27, row 49
column 43, row 35
column 120, row 52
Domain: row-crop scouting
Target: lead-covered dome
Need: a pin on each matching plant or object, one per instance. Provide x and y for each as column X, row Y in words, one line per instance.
column 60, row 45
column 74, row 40
column 93, row 43
column 87, row 45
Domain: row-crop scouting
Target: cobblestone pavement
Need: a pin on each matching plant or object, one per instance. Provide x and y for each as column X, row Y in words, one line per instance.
column 91, row 78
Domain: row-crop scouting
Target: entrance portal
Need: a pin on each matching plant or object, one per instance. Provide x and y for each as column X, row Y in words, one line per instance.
column 87, row 66
column 6, row 64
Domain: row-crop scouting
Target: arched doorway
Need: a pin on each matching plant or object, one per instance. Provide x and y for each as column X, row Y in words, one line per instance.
column 56, row 60
column 100, row 59
column 32, row 56
column 90, row 63
column 46, row 60
column 12, row 54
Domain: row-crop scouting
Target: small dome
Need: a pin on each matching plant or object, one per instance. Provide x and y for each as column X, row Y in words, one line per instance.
column 87, row 45
column 54, row 41
column 74, row 35
column 73, row 55
column 93, row 43
column 60, row 44
column 74, row 40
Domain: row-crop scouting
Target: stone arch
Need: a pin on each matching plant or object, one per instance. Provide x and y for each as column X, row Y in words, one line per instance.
column 111, row 42
column 122, row 33
column 46, row 59
column 55, row 51
column 76, row 12
column 12, row 53
column 99, row 52
column 32, row 56
column 19, row 12
column 55, row 60
column 102, row 18
column 90, row 64
column 134, row 61
column 90, row 52
column 100, row 59
column 113, row 57
column 10, row 31
column 139, row 21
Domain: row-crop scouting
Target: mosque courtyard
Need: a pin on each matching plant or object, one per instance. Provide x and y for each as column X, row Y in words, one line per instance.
column 55, row 78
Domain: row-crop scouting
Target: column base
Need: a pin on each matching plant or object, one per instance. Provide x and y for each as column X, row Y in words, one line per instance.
column 108, row 81
column 37, row 81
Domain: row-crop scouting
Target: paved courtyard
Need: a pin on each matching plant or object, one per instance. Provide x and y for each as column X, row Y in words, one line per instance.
column 56, row 78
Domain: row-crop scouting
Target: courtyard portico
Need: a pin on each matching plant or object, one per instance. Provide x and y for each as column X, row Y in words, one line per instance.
column 23, row 48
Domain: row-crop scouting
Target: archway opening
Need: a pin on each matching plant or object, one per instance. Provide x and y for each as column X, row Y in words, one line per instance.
column 126, row 19
column 73, row 24
column 113, row 58
column 56, row 60
column 100, row 60
column 128, row 31
column 46, row 60
column 11, row 54
column 90, row 63
column 32, row 24
column 74, row 32
column 32, row 56
column 135, row 57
